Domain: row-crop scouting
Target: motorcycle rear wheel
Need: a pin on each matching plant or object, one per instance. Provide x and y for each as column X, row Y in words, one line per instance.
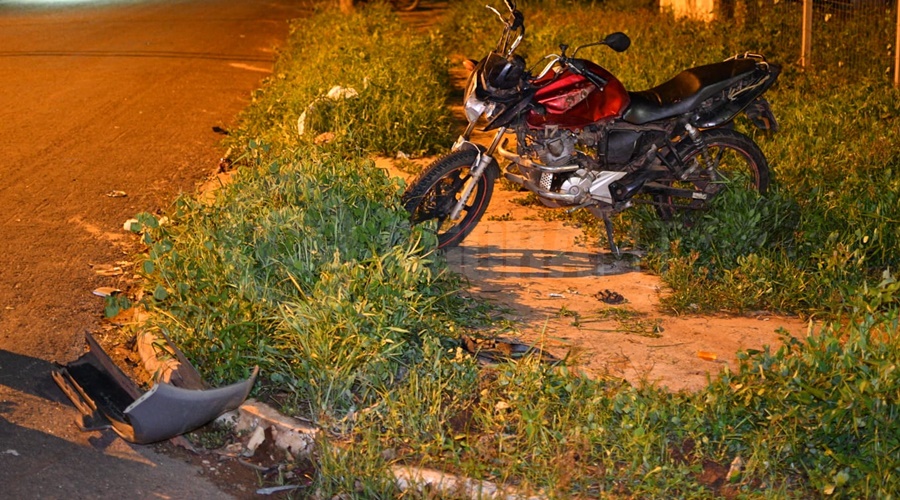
column 739, row 162
column 432, row 196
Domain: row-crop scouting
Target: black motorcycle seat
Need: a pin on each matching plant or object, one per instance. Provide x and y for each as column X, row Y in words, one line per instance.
column 684, row 92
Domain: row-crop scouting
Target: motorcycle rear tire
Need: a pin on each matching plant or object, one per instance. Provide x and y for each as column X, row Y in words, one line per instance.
column 740, row 158
column 436, row 191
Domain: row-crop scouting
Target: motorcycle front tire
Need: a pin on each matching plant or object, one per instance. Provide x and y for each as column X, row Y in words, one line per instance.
column 432, row 196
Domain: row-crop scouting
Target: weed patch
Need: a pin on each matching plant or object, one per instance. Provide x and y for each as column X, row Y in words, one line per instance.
column 301, row 267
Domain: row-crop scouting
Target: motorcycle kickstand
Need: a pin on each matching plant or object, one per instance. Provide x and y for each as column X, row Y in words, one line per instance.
column 609, row 236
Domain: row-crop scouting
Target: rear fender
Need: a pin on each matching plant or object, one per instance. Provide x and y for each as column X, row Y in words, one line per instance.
column 747, row 99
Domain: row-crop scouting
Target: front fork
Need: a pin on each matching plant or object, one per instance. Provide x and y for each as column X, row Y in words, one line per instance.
column 481, row 163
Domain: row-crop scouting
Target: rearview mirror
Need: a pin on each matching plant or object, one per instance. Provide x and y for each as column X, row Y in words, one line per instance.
column 617, row 41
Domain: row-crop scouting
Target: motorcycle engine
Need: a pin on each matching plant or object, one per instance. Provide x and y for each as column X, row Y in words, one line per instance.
column 554, row 147
column 551, row 147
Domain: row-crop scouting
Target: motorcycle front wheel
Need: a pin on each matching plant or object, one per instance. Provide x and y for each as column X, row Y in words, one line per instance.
column 736, row 161
column 432, row 196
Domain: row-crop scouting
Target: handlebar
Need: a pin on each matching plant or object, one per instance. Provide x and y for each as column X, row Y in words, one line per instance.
column 514, row 23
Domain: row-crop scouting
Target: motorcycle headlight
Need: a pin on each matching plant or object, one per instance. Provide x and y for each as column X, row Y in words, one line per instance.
column 474, row 106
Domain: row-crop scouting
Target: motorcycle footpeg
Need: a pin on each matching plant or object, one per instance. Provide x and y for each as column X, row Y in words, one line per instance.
column 625, row 188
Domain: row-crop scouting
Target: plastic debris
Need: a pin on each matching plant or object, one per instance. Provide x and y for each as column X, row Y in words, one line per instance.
column 278, row 489
column 336, row 93
column 132, row 225
column 497, row 350
column 106, row 291
column 107, row 399
column 107, row 270
column 735, row 470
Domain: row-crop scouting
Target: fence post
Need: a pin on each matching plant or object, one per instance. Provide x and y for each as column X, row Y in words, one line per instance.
column 806, row 41
column 897, row 50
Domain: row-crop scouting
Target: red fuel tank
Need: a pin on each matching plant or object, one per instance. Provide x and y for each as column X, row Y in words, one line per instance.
column 571, row 101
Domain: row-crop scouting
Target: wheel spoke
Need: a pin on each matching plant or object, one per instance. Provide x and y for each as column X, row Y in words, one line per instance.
column 718, row 160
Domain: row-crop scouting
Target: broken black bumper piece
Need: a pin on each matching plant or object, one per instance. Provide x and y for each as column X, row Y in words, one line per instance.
column 108, row 399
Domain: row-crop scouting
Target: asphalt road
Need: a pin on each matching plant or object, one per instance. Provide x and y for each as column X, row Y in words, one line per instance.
column 96, row 98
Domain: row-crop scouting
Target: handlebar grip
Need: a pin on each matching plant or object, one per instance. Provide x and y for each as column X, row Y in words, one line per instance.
column 518, row 21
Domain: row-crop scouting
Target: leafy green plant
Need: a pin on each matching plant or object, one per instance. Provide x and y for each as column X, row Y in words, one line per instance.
column 822, row 406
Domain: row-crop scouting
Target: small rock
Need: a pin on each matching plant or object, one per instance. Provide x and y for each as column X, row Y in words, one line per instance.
column 256, row 439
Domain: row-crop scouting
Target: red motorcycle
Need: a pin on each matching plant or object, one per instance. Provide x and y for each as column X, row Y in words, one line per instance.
column 583, row 141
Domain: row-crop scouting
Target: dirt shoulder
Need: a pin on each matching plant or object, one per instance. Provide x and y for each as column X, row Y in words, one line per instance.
column 603, row 312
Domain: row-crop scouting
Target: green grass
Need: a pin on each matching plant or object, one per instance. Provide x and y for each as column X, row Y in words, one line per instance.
column 306, row 266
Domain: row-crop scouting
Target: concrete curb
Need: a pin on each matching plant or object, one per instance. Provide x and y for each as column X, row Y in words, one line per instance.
column 429, row 481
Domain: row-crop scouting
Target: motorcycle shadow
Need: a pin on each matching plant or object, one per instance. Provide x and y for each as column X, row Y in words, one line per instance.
column 492, row 262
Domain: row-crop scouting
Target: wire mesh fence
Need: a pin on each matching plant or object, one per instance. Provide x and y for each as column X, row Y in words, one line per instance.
column 857, row 38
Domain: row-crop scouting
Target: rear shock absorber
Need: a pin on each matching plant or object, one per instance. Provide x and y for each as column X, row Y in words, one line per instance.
column 697, row 139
